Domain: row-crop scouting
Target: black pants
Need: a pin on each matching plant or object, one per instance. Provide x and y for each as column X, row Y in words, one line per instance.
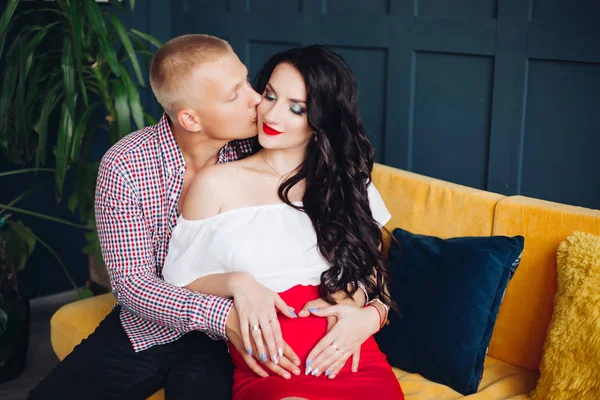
column 104, row 366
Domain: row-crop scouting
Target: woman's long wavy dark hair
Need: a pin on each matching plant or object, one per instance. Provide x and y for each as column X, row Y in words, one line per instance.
column 337, row 172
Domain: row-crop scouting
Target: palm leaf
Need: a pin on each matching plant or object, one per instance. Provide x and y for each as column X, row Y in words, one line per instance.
column 5, row 22
column 126, row 43
column 133, row 96
column 9, row 85
column 77, row 33
column 123, row 114
column 41, row 126
column 96, row 20
column 82, row 126
column 69, row 76
column 63, row 146
column 148, row 38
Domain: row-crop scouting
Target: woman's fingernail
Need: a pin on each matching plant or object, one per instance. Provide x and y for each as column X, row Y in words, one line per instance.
column 308, row 362
column 316, row 371
column 280, row 352
column 296, row 372
column 293, row 314
column 327, row 372
column 263, row 356
column 249, row 351
column 308, row 371
column 274, row 358
column 312, row 309
column 287, row 376
column 297, row 362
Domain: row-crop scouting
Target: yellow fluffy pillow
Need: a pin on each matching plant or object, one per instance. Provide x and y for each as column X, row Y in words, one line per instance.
column 570, row 366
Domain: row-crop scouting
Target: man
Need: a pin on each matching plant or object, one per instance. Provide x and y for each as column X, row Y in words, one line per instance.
column 160, row 335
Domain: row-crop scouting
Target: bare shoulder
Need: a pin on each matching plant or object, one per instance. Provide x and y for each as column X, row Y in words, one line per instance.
column 211, row 189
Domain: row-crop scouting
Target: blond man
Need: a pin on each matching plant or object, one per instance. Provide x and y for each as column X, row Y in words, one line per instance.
column 160, row 335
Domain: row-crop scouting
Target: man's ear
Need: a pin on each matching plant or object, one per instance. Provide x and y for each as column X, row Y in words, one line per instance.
column 189, row 120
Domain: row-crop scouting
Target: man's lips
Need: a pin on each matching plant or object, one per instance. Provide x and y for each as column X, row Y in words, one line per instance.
column 270, row 131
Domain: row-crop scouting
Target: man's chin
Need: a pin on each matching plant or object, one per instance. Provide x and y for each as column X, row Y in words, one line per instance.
column 250, row 135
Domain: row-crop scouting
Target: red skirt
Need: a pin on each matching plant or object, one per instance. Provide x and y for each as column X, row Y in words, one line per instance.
column 374, row 379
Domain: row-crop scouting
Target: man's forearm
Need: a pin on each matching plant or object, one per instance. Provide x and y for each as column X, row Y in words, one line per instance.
column 222, row 285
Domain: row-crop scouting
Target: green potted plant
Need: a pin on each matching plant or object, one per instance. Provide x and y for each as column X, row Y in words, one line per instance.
column 66, row 62
column 17, row 243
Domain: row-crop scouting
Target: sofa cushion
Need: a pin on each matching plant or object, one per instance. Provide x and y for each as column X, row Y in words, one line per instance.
column 530, row 295
column 500, row 381
column 448, row 292
column 569, row 368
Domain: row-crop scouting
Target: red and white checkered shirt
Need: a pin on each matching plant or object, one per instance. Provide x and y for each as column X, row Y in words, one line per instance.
column 137, row 194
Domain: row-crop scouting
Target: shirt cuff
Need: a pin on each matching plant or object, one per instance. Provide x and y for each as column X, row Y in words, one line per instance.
column 217, row 323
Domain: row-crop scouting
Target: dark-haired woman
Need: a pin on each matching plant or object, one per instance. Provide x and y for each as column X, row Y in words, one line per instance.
column 299, row 220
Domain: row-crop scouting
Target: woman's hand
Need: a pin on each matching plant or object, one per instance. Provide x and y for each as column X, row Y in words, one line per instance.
column 288, row 363
column 315, row 305
column 257, row 311
column 353, row 327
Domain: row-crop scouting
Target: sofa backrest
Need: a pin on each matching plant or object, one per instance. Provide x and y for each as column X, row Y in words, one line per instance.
column 525, row 314
column 434, row 207
column 430, row 206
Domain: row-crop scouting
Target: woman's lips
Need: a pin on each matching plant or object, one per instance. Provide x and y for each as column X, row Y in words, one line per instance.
column 270, row 131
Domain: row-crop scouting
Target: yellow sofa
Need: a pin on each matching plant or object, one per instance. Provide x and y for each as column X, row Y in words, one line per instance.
column 430, row 206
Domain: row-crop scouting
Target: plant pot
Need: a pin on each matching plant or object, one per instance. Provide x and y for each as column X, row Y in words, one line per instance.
column 99, row 280
column 14, row 342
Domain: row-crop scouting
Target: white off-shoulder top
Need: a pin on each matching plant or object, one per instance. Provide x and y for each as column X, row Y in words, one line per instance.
column 275, row 243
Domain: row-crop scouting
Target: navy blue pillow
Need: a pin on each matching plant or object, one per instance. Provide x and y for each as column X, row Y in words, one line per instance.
column 448, row 292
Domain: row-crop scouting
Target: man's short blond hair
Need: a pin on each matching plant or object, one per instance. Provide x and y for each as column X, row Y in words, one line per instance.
column 174, row 63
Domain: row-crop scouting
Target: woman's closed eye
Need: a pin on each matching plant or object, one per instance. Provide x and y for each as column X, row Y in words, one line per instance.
column 294, row 107
column 297, row 109
column 269, row 96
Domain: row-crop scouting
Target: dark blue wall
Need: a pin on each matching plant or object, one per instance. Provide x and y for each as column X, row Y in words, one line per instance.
column 501, row 95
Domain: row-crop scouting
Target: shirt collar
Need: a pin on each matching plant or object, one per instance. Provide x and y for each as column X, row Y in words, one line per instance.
column 172, row 157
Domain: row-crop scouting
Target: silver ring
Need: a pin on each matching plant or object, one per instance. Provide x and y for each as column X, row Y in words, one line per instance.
column 274, row 319
column 255, row 327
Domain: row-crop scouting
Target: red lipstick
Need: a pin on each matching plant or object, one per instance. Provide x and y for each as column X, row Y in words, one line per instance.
column 270, row 131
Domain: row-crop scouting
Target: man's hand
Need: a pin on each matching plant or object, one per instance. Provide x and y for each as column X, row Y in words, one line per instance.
column 353, row 327
column 257, row 309
column 288, row 362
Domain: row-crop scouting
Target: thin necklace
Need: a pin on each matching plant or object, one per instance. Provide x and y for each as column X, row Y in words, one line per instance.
column 270, row 166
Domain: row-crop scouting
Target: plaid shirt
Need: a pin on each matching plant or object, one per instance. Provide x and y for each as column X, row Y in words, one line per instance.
column 137, row 194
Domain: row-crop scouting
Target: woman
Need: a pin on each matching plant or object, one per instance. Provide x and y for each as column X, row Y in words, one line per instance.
column 300, row 218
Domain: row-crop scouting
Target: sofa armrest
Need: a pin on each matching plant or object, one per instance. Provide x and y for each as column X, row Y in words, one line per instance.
column 76, row 321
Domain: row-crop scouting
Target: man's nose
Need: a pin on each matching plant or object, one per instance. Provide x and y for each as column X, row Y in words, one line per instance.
column 255, row 97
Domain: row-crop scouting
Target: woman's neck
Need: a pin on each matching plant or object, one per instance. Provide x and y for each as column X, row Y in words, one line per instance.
column 283, row 161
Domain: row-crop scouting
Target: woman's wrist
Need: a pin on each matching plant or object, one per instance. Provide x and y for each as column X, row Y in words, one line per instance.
column 236, row 280
column 381, row 308
column 373, row 318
